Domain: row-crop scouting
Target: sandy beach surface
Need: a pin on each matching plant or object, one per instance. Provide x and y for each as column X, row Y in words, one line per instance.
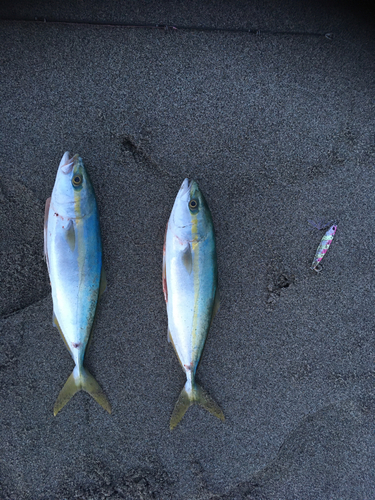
column 270, row 107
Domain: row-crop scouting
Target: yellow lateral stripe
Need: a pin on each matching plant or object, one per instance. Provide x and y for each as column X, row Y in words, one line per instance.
column 195, row 249
column 80, row 244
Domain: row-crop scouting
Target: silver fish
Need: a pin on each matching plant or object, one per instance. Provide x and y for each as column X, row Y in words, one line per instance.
column 190, row 290
column 73, row 253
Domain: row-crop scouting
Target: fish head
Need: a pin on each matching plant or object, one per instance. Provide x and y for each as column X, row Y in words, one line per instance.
column 191, row 218
column 72, row 195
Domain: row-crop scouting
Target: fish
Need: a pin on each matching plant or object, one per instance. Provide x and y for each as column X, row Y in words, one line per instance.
column 73, row 253
column 323, row 248
column 190, row 285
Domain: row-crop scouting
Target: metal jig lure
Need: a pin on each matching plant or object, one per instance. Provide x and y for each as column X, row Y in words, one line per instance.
column 323, row 247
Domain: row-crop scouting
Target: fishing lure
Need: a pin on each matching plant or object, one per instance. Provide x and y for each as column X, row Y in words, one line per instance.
column 323, row 247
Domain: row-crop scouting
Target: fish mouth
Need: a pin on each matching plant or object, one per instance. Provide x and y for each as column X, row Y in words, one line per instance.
column 66, row 163
column 184, row 197
column 185, row 188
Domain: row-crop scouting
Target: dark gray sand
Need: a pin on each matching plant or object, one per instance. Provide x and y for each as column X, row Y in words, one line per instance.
column 277, row 128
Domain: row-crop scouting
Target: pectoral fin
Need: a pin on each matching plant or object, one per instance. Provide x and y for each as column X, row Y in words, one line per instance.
column 70, row 235
column 187, row 259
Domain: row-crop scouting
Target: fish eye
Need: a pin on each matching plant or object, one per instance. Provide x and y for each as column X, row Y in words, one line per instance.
column 77, row 180
column 193, row 204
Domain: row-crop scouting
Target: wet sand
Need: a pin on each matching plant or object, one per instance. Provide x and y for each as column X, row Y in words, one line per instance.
column 277, row 128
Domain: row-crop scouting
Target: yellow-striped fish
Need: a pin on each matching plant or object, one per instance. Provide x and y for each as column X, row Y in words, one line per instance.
column 190, row 290
column 73, row 253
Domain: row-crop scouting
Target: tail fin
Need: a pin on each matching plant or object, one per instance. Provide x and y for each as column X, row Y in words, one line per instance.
column 79, row 381
column 193, row 393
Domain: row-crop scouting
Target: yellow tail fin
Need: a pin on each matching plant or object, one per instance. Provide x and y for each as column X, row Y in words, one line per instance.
column 191, row 394
column 81, row 381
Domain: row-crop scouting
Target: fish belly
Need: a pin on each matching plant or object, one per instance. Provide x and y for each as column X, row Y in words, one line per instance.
column 75, row 279
column 190, row 301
